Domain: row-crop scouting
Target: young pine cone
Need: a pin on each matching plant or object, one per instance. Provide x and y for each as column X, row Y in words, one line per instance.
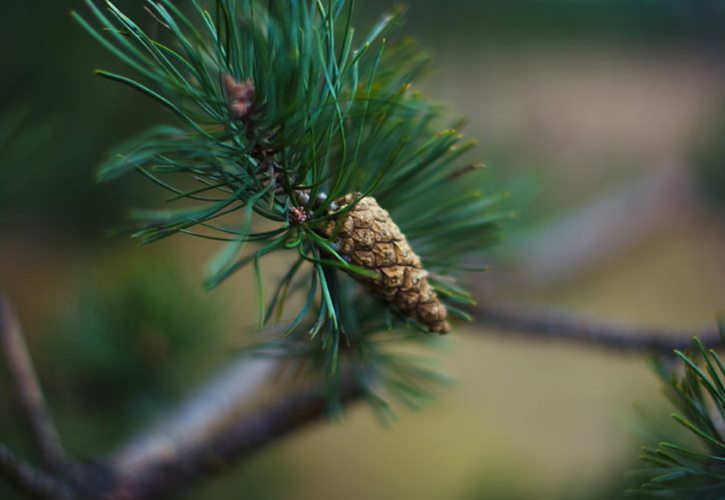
column 368, row 238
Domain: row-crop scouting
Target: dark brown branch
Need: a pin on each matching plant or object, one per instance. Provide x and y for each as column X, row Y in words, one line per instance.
column 27, row 390
column 29, row 480
column 546, row 325
column 228, row 446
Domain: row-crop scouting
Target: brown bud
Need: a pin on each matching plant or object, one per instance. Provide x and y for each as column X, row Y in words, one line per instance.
column 240, row 96
column 368, row 238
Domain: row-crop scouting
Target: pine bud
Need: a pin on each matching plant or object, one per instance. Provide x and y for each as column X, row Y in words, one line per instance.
column 240, row 96
column 368, row 238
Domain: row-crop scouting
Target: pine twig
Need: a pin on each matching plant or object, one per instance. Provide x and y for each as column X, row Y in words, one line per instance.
column 28, row 391
column 229, row 445
column 546, row 325
column 29, row 480
column 216, row 405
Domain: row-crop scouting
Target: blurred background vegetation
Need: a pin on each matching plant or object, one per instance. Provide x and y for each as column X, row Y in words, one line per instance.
column 571, row 101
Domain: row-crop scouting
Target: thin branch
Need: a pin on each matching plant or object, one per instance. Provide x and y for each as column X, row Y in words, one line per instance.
column 229, row 445
column 546, row 325
column 29, row 480
column 214, row 406
column 27, row 390
column 605, row 226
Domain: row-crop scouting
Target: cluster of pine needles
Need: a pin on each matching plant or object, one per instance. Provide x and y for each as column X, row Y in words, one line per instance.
column 277, row 110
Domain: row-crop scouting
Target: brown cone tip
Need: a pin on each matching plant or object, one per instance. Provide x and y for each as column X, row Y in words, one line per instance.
column 368, row 238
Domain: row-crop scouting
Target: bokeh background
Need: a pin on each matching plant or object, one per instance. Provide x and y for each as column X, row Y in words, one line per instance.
column 605, row 119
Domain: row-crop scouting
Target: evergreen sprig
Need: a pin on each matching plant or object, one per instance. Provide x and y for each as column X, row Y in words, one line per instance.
column 694, row 470
column 328, row 113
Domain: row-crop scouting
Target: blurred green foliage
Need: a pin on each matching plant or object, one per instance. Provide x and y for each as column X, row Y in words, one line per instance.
column 129, row 347
column 121, row 353
column 49, row 68
column 21, row 144
column 541, row 20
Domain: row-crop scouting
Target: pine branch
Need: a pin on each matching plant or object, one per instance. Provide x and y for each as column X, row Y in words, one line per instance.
column 27, row 390
column 29, row 480
column 216, row 405
column 201, row 438
column 284, row 110
column 179, row 469
column 542, row 325
column 197, row 461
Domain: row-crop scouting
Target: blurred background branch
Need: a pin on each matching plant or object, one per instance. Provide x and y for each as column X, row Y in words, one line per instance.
column 612, row 222
column 27, row 390
column 540, row 325
column 29, row 480
column 191, row 461
column 208, row 434
column 217, row 405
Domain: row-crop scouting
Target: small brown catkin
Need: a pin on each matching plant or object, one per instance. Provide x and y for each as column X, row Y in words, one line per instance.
column 368, row 238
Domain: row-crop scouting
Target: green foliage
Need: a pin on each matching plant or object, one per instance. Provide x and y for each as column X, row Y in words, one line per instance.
column 128, row 348
column 21, row 151
column 694, row 469
column 333, row 113
column 117, row 355
column 534, row 21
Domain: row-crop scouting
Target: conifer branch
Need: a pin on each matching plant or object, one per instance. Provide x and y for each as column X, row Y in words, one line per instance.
column 27, row 390
column 29, row 480
column 230, row 445
column 216, row 405
column 284, row 109
column 216, row 442
column 201, row 438
column 543, row 325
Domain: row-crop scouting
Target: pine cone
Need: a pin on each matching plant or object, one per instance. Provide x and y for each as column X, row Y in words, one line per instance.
column 368, row 238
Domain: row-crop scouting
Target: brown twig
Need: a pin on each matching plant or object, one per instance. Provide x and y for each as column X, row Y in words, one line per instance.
column 28, row 391
column 547, row 325
column 29, row 480
column 227, row 446
column 216, row 405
